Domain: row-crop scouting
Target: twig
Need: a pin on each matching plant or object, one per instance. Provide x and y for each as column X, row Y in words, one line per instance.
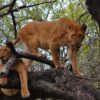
column 5, row 6
column 82, row 15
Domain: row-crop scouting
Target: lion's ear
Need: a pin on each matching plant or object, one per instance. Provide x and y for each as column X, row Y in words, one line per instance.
column 84, row 27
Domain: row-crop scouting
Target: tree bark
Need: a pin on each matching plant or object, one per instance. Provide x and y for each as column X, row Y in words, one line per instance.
column 53, row 83
column 93, row 7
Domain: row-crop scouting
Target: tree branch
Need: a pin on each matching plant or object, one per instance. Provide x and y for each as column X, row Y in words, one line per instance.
column 25, row 6
column 5, row 6
column 13, row 17
column 54, row 83
column 29, row 56
column 14, row 23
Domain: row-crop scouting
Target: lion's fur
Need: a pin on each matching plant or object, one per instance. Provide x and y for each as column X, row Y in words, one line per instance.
column 5, row 54
column 52, row 35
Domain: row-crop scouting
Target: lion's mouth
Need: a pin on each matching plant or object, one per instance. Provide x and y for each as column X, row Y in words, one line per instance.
column 3, row 75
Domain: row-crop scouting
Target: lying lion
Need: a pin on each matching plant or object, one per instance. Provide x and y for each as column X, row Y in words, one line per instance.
column 8, row 92
column 52, row 35
column 19, row 66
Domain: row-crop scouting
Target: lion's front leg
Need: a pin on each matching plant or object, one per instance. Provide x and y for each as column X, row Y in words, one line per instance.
column 55, row 55
column 72, row 53
column 24, row 86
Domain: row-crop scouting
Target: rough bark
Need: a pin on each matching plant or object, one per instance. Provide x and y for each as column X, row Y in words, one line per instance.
column 54, row 83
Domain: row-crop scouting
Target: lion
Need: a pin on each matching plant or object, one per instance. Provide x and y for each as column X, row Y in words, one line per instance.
column 19, row 66
column 53, row 35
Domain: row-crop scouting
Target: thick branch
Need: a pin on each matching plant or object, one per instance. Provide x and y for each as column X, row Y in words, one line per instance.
column 54, row 83
column 29, row 56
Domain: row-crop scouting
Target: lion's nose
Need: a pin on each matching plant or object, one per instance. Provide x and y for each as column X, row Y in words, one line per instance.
column 4, row 72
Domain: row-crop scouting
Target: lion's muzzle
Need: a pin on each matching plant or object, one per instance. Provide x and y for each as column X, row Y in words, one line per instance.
column 4, row 72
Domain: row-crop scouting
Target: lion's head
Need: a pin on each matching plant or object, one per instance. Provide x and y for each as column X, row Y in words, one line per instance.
column 5, row 54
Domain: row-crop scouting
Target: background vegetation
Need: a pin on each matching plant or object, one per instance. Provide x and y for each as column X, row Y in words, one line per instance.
column 16, row 13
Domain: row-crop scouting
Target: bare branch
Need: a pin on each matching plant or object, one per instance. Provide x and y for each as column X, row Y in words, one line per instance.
column 12, row 5
column 13, row 17
column 25, row 6
column 5, row 6
column 29, row 56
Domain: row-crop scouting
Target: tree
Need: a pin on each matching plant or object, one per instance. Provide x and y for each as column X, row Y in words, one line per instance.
column 15, row 13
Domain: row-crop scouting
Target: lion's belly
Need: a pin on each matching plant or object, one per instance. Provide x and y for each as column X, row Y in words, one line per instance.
column 36, row 40
column 44, row 45
column 35, row 43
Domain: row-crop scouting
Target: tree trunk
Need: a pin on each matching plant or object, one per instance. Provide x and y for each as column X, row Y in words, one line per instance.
column 94, row 8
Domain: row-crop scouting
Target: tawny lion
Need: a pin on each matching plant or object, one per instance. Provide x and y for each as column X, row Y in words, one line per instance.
column 19, row 66
column 52, row 35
